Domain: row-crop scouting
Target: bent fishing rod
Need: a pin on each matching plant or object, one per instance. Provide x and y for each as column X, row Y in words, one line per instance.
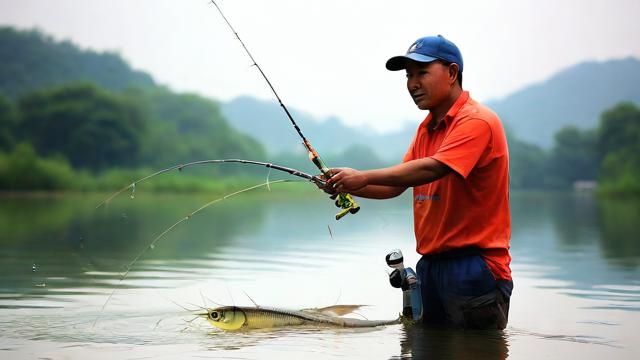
column 153, row 243
column 342, row 200
column 312, row 178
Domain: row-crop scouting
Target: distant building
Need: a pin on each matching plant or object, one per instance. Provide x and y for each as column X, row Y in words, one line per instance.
column 584, row 185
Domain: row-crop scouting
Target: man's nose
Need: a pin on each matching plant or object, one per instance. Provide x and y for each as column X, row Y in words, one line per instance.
column 412, row 84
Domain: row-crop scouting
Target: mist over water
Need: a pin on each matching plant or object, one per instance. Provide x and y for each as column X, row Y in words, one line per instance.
column 576, row 263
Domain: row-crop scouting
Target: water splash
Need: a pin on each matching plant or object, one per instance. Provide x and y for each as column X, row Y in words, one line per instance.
column 268, row 174
column 37, row 281
column 133, row 190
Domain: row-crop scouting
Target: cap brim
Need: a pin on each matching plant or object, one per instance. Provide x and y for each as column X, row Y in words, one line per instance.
column 400, row 62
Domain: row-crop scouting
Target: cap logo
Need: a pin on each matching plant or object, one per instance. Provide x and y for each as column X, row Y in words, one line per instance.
column 416, row 45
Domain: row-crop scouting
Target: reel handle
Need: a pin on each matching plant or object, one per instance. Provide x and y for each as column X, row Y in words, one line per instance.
column 347, row 204
column 342, row 200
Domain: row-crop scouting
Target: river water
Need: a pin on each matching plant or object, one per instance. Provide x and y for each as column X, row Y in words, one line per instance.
column 576, row 267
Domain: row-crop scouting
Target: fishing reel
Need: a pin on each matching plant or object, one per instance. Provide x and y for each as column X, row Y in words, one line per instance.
column 342, row 200
column 345, row 202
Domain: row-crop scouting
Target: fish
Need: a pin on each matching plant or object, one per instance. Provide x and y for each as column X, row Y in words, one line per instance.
column 239, row 318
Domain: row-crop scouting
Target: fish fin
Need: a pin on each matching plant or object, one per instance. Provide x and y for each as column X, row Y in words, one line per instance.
column 335, row 310
column 254, row 303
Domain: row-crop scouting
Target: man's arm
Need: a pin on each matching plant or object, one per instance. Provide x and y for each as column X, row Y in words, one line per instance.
column 376, row 183
column 379, row 192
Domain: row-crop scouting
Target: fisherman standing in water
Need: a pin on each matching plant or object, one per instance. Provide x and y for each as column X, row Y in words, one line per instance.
column 458, row 166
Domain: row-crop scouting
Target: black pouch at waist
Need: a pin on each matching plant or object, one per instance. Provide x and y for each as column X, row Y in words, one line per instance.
column 454, row 253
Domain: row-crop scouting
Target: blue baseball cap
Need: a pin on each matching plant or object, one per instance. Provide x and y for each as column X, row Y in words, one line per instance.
column 427, row 49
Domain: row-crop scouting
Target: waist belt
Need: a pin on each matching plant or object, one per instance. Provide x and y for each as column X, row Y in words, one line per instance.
column 454, row 253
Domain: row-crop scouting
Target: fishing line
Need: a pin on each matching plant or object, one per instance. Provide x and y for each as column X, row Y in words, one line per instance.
column 229, row 293
column 268, row 174
column 204, row 297
column 152, row 244
column 344, row 200
column 316, row 180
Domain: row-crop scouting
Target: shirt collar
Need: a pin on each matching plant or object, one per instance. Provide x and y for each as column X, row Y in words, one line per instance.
column 453, row 111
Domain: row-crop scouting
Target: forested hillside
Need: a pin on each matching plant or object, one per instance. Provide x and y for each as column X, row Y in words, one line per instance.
column 31, row 61
column 573, row 97
column 69, row 110
column 68, row 114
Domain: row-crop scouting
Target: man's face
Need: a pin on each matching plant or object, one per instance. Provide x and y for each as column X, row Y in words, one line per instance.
column 428, row 83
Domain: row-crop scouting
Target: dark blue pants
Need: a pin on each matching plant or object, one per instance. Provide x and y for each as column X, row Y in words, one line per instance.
column 459, row 290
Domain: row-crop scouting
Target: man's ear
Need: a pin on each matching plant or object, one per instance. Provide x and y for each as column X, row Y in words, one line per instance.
column 453, row 73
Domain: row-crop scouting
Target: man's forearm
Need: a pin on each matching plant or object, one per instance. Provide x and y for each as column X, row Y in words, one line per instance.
column 379, row 192
column 408, row 174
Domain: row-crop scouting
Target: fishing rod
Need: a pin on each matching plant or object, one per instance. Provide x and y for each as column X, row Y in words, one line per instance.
column 152, row 244
column 307, row 177
column 342, row 200
column 312, row 178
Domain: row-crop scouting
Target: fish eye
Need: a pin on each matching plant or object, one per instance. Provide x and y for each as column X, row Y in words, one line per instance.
column 214, row 315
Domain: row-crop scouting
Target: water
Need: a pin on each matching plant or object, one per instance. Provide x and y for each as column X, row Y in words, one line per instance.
column 576, row 263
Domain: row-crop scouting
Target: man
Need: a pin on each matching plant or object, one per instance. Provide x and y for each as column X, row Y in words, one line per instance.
column 458, row 166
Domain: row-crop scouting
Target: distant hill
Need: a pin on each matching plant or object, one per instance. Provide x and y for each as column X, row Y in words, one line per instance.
column 32, row 60
column 576, row 96
column 51, row 82
column 266, row 120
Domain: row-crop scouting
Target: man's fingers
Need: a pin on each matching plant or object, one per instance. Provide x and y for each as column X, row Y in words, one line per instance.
column 335, row 180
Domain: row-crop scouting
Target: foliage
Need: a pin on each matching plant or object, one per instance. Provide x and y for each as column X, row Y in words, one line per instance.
column 74, row 110
column 22, row 169
column 189, row 127
column 619, row 149
column 619, row 129
column 574, row 96
column 32, row 61
column 89, row 126
column 527, row 164
column 573, row 157
column 8, row 120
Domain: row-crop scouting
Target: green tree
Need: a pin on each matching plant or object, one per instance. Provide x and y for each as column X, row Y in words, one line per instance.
column 619, row 149
column 22, row 169
column 92, row 128
column 573, row 156
column 7, row 123
column 31, row 60
column 189, row 127
column 619, row 129
column 527, row 164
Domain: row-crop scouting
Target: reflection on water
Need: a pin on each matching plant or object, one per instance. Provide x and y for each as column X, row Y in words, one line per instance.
column 618, row 219
column 576, row 262
column 423, row 343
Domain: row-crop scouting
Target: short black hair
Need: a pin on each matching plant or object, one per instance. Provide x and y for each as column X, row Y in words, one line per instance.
column 446, row 63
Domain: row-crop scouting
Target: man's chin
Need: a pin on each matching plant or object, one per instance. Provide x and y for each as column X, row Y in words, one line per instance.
column 422, row 106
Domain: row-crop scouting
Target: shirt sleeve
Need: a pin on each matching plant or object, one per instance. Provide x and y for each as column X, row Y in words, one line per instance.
column 464, row 146
column 410, row 154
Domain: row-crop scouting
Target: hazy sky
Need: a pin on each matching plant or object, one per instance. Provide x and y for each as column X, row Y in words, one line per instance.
column 327, row 57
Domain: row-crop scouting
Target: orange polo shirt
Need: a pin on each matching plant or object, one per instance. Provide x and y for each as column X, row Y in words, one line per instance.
column 470, row 206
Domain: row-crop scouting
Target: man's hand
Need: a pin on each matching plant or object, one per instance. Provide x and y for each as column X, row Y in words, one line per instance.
column 346, row 180
column 321, row 183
